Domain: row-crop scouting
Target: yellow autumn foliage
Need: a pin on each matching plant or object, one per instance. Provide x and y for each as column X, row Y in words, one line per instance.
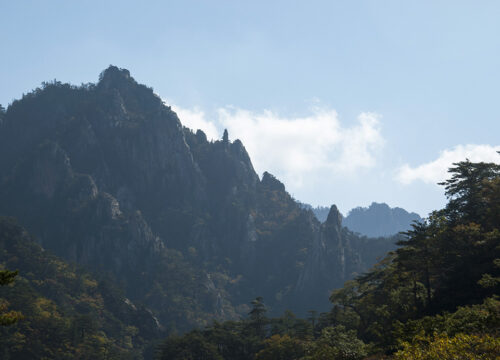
column 443, row 347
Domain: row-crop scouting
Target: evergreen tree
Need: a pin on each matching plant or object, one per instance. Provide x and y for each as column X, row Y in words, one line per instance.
column 465, row 188
column 258, row 316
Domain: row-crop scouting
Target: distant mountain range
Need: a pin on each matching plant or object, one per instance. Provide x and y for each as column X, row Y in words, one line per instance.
column 379, row 220
column 376, row 220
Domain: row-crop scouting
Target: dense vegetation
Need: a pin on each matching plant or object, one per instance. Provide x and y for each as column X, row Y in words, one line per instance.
column 435, row 297
column 62, row 311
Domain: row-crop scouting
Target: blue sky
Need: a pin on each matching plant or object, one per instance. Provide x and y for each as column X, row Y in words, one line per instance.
column 347, row 102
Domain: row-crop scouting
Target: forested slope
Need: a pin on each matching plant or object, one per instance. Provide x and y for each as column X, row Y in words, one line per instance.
column 66, row 313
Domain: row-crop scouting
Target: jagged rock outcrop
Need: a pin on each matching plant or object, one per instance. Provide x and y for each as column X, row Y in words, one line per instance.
column 72, row 217
column 331, row 261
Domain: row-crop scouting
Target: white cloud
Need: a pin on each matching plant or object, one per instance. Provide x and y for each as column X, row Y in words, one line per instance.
column 195, row 119
column 295, row 148
column 437, row 170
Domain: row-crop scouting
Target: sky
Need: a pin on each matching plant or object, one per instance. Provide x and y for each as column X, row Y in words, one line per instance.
column 346, row 102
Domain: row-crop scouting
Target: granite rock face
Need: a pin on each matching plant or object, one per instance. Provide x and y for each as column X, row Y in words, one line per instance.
column 332, row 260
column 106, row 176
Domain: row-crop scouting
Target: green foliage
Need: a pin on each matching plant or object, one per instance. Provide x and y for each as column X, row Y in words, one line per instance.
column 8, row 317
column 67, row 313
column 443, row 347
column 228, row 340
column 7, row 276
column 476, row 319
column 258, row 316
column 279, row 347
column 287, row 338
column 192, row 346
column 465, row 189
column 336, row 343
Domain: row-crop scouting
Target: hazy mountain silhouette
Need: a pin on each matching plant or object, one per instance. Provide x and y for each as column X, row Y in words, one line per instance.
column 379, row 220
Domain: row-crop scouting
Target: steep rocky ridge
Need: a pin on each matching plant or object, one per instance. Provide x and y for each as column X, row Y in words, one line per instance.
column 105, row 175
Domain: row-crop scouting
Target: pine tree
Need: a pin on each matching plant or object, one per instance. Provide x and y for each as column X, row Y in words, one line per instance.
column 258, row 315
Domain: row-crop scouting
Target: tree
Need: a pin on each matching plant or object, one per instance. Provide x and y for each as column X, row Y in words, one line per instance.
column 337, row 343
column 313, row 316
column 258, row 315
column 465, row 187
column 7, row 277
column 418, row 255
column 284, row 324
column 192, row 346
column 10, row 317
column 279, row 347
column 2, row 113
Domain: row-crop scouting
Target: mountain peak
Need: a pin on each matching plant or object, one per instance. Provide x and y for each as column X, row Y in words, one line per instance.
column 114, row 77
column 376, row 205
column 271, row 182
column 334, row 216
column 114, row 72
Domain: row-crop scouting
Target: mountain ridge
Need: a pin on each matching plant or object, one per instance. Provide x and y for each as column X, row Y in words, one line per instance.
column 379, row 219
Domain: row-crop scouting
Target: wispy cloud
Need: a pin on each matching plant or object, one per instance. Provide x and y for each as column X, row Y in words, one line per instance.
column 295, row 148
column 195, row 119
column 437, row 170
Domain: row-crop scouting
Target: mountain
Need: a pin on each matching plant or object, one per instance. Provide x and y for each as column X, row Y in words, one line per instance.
column 379, row 220
column 105, row 175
